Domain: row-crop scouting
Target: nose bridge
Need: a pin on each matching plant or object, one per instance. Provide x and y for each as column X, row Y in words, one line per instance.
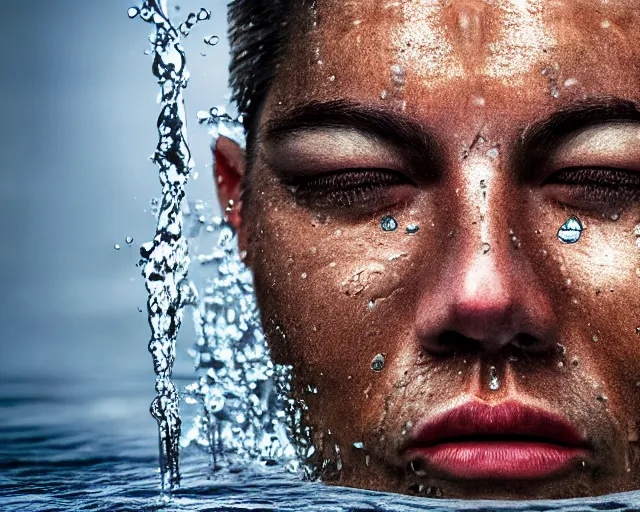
column 483, row 203
column 484, row 302
column 489, row 292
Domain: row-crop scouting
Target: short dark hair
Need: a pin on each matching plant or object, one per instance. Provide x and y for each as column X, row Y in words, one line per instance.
column 258, row 32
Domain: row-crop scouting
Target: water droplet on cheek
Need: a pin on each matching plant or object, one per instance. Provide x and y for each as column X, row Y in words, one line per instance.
column 377, row 363
column 389, row 223
column 571, row 231
column 412, row 228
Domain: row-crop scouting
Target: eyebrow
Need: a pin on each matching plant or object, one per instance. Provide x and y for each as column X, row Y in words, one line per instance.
column 380, row 123
column 546, row 133
column 407, row 133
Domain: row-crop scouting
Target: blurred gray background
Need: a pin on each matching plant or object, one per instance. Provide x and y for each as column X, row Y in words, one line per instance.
column 79, row 113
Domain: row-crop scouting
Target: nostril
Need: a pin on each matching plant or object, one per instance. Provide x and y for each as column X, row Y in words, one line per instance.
column 529, row 344
column 452, row 342
column 448, row 343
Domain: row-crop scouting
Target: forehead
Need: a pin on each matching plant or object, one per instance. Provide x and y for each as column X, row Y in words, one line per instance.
column 433, row 56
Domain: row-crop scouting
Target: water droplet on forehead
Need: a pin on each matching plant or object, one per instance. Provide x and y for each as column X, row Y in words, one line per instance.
column 570, row 231
column 389, row 223
column 377, row 363
column 398, row 74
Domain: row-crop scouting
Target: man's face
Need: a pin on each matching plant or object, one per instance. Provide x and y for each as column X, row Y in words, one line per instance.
column 507, row 362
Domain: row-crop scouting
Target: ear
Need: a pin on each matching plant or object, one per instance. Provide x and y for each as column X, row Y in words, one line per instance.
column 229, row 172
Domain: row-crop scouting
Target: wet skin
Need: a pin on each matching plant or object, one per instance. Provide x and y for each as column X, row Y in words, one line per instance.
column 526, row 117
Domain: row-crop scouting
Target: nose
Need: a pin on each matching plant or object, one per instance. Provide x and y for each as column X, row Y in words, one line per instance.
column 485, row 300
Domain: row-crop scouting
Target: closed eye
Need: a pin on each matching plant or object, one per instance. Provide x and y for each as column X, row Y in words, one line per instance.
column 350, row 188
column 595, row 187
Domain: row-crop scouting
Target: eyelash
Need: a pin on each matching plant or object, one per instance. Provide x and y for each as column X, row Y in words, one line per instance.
column 599, row 185
column 349, row 188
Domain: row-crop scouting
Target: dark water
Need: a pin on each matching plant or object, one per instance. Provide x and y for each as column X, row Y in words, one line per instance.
column 91, row 445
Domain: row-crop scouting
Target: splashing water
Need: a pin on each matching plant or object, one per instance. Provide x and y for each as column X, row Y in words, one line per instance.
column 165, row 259
column 242, row 414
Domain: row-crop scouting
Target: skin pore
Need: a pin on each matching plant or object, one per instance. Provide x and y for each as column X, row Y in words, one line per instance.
column 487, row 124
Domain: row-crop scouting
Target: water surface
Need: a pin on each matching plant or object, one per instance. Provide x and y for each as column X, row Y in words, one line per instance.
column 70, row 444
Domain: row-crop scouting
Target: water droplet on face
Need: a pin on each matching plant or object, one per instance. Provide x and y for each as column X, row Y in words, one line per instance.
column 383, row 95
column 129, row 240
column 358, row 445
column 485, row 248
column 605, row 24
column 389, row 223
column 371, row 304
column 493, row 153
column 377, row 363
column 398, row 75
column 116, row 247
column 570, row 231
column 132, row 12
column 494, row 382
column 595, row 338
column 638, row 331
column 211, row 40
column 412, row 228
column 417, row 468
column 615, row 216
column 304, row 275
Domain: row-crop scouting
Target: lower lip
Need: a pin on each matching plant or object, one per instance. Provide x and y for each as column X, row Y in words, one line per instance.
column 506, row 460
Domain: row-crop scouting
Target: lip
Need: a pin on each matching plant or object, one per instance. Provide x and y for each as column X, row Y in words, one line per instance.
column 509, row 441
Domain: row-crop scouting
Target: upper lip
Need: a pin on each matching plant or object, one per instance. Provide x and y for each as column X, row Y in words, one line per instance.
column 476, row 421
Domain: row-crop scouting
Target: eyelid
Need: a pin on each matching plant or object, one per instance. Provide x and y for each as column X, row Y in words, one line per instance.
column 322, row 151
column 612, row 145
